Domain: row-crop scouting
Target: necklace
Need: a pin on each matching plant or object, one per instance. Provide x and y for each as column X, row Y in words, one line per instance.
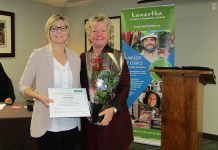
column 96, row 54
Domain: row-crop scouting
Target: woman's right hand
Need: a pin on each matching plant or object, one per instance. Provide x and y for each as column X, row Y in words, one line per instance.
column 45, row 100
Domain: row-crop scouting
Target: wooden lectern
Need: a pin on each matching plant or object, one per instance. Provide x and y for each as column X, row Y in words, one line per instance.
column 182, row 107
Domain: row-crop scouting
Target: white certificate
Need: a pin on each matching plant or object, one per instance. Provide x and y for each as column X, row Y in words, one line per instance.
column 71, row 102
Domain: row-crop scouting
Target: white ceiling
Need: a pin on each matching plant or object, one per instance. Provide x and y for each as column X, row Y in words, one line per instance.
column 67, row 3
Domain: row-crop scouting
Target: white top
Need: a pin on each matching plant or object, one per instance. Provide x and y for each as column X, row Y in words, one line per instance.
column 63, row 78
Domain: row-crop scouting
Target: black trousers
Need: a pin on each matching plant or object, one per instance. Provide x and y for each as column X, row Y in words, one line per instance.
column 63, row 140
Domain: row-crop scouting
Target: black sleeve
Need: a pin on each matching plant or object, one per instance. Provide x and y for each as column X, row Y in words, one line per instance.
column 10, row 91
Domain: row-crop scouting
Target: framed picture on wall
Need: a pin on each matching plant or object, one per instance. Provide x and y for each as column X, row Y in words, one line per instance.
column 115, row 41
column 7, row 34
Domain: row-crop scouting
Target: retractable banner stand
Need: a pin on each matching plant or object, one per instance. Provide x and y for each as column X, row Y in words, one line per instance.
column 148, row 36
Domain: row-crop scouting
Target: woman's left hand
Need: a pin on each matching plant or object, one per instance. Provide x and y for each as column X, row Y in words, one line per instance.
column 108, row 116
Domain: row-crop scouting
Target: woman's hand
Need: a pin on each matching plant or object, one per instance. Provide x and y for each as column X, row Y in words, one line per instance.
column 34, row 95
column 45, row 100
column 108, row 116
column 8, row 101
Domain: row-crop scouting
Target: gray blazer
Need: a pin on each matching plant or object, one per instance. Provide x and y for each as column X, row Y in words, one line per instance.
column 39, row 69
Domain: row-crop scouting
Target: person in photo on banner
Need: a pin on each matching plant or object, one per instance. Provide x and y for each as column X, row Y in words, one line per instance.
column 105, row 75
column 149, row 109
column 172, row 40
column 152, row 102
column 6, row 88
column 52, row 66
column 150, row 47
column 149, row 42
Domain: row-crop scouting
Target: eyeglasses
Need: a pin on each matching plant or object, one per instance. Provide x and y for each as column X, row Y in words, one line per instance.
column 55, row 28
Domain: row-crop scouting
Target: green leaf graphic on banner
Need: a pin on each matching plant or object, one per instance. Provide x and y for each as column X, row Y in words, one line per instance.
column 159, row 63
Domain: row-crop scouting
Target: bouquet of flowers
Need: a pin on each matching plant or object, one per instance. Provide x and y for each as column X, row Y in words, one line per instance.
column 103, row 78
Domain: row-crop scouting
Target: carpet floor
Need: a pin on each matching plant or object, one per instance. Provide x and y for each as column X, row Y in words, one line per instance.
column 207, row 145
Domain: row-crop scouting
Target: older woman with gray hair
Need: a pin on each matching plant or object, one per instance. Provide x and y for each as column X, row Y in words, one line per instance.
column 114, row 130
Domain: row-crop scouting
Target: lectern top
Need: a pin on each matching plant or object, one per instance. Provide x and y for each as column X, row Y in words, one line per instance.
column 206, row 75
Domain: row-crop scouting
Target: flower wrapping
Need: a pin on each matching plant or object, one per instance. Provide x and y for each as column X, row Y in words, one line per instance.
column 103, row 78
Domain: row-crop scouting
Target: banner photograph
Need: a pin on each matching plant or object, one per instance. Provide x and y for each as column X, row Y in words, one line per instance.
column 148, row 36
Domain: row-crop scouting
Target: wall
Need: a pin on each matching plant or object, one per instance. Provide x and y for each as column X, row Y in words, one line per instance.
column 196, row 39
